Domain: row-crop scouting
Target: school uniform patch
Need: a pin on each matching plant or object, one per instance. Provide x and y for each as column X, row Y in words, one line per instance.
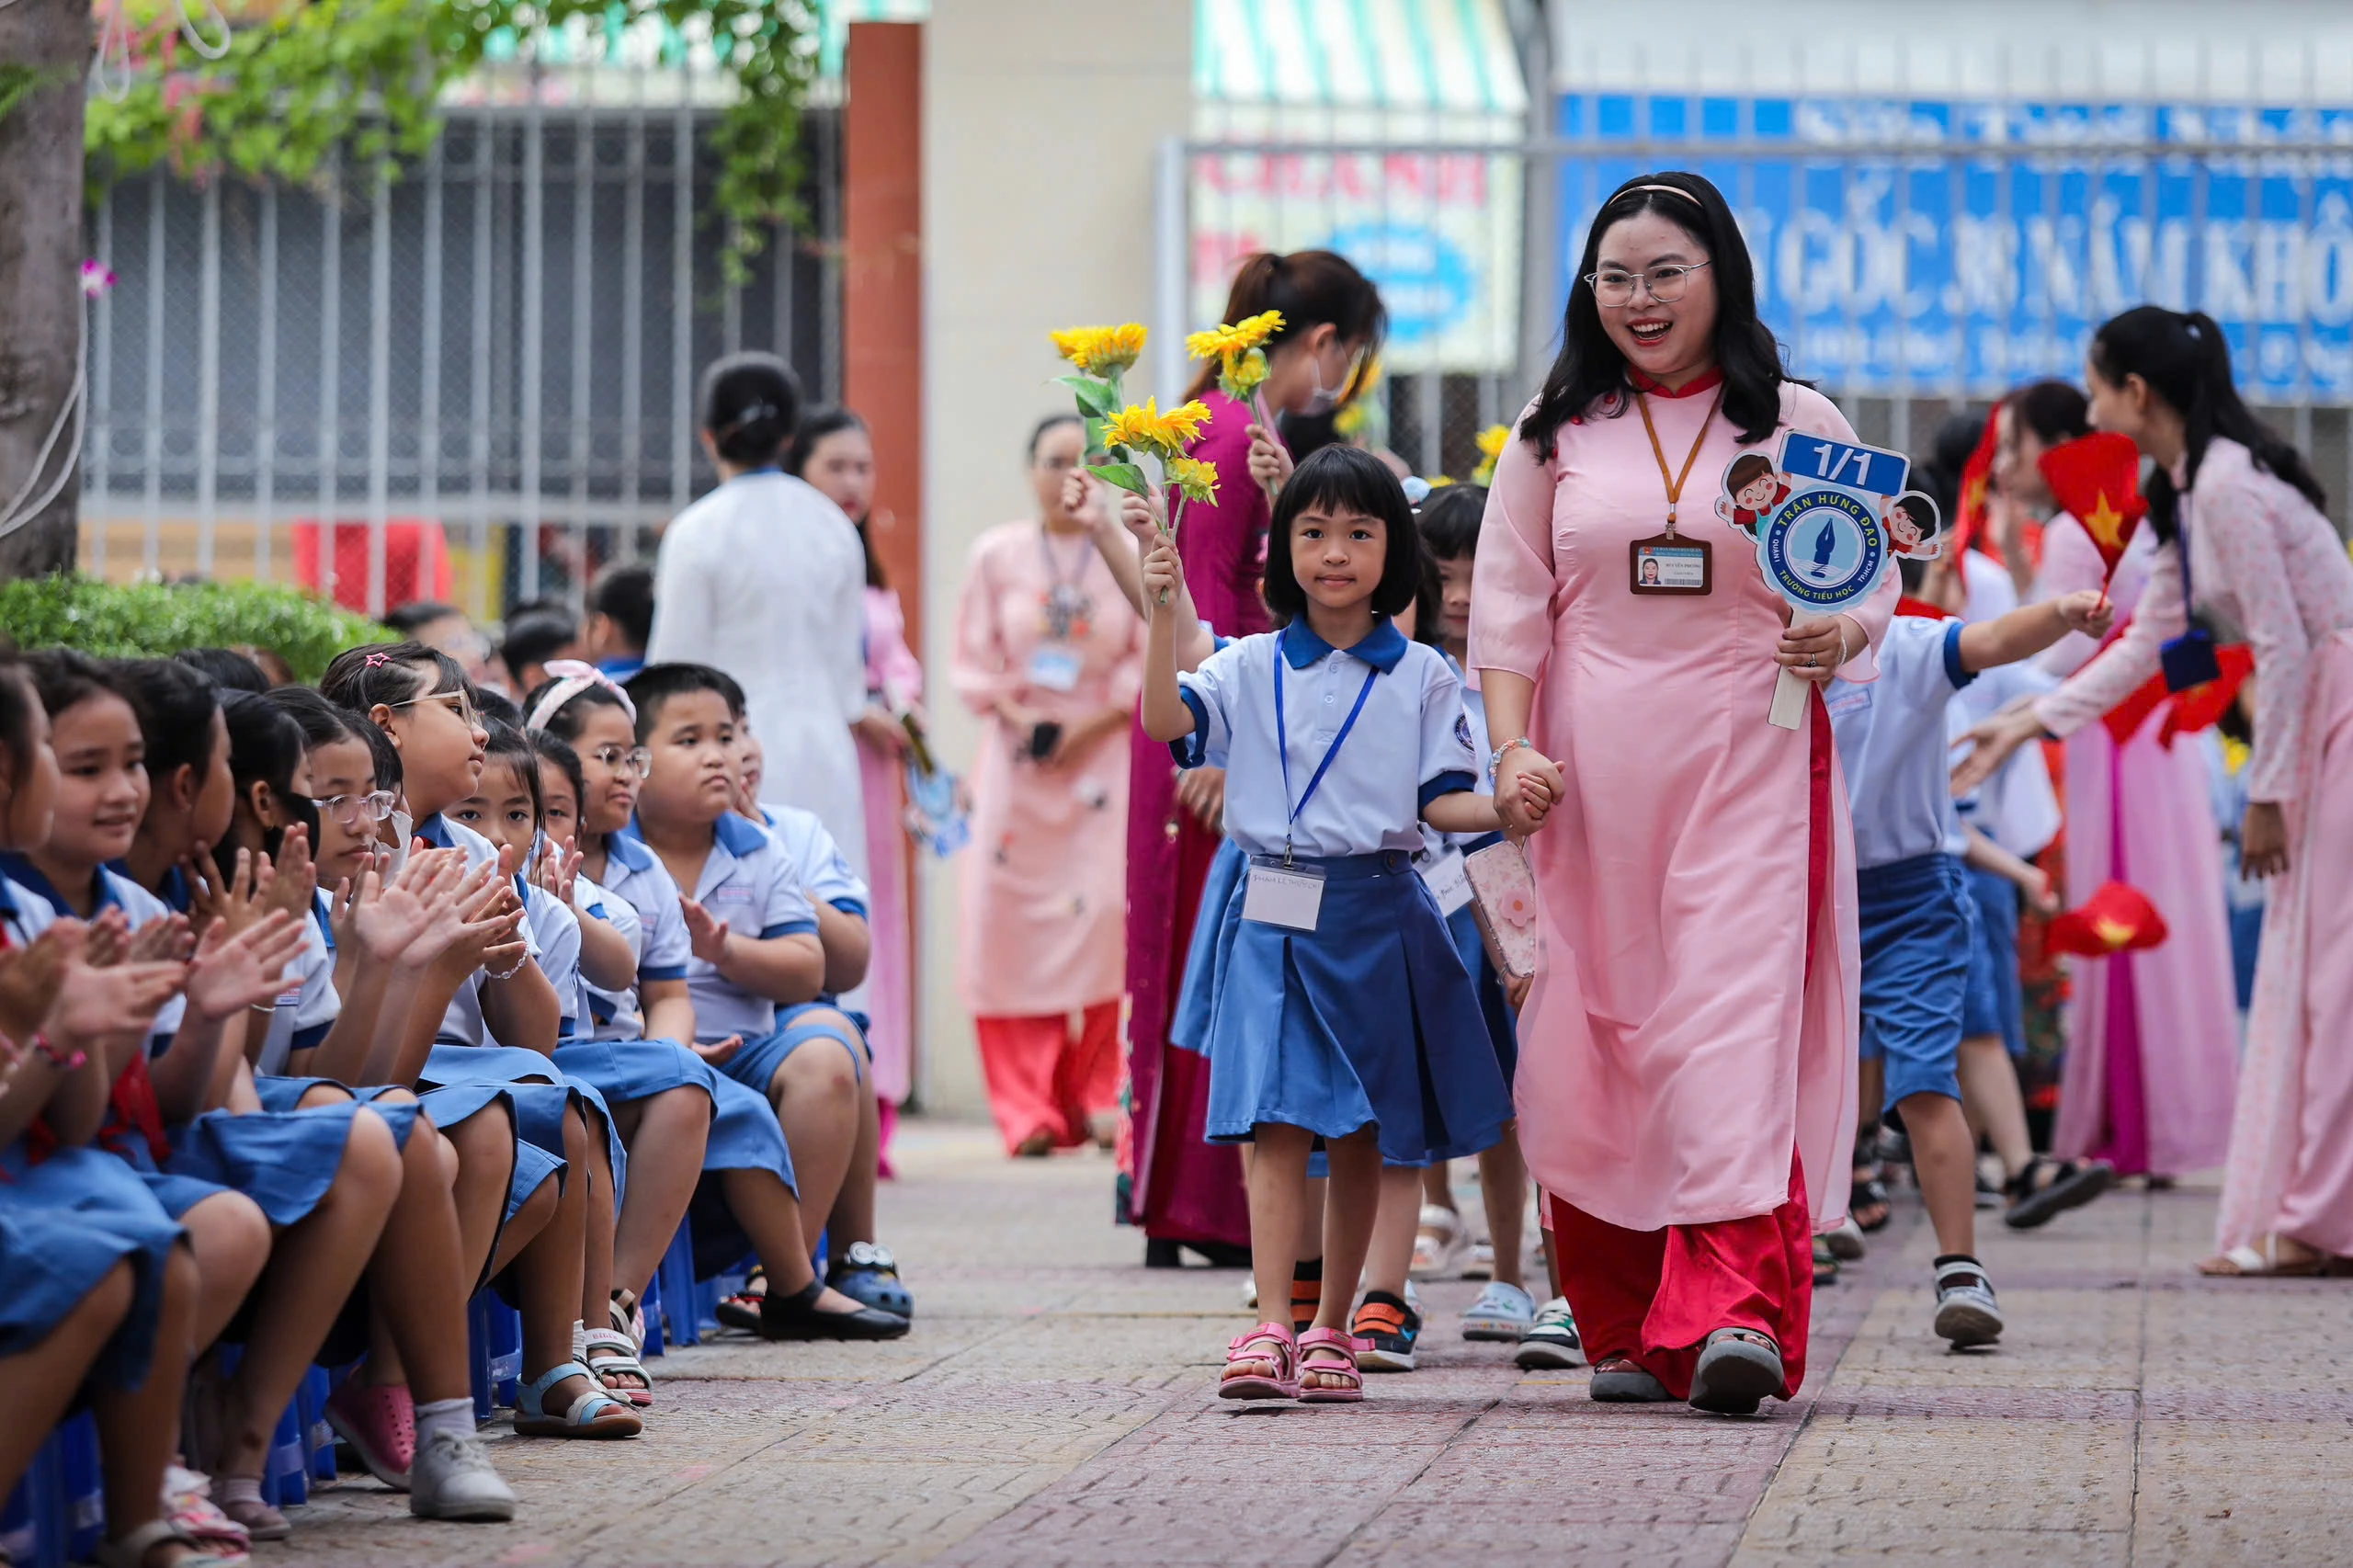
column 1462, row 729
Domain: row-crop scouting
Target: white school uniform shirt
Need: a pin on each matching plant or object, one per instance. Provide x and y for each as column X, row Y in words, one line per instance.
column 825, row 872
column 37, row 906
column 638, row 889
column 1891, row 736
column 766, row 579
column 1411, row 741
column 747, row 882
column 2017, row 808
column 308, row 1003
column 463, row 1024
column 555, row 933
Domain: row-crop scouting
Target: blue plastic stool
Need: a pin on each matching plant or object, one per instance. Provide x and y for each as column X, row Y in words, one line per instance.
column 494, row 1344
column 57, row 1514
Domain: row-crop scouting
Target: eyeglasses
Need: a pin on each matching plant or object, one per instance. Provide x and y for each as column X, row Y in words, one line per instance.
column 456, row 702
column 350, row 811
column 638, row 760
column 1665, row 284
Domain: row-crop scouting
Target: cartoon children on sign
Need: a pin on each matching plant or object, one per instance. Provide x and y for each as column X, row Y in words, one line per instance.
column 1915, row 527
column 1752, row 489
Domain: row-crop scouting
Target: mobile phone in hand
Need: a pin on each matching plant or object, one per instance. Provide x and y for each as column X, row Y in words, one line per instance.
column 1043, row 739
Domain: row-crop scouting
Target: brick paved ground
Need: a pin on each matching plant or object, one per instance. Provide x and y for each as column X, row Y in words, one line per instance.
column 1054, row 1407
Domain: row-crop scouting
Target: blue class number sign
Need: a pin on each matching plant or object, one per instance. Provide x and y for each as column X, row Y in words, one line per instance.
column 1824, row 546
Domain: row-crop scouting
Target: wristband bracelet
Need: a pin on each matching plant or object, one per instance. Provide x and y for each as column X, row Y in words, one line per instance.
column 1495, row 758
column 511, row 970
column 57, row 1058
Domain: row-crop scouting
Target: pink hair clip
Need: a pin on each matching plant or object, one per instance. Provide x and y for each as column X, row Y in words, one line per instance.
column 376, row 659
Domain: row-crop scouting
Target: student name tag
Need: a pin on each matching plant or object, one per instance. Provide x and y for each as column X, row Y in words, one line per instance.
column 1670, row 563
column 1443, row 874
column 1053, row 667
column 1289, row 896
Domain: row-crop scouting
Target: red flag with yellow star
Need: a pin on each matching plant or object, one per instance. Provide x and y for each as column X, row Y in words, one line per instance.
column 2116, row 919
column 2097, row 478
column 1976, row 489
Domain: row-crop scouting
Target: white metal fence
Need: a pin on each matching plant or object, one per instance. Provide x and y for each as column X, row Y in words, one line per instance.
column 475, row 379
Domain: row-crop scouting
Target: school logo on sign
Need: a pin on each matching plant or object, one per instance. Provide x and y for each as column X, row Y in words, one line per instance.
column 1823, row 549
column 1820, row 517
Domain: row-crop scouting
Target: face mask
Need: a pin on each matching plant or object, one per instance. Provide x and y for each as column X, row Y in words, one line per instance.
column 1322, row 400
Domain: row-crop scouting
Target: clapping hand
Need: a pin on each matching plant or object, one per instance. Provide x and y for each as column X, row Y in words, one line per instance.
column 165, row 940
column 294, row 880
column 109, row 942
column 244, row 968
column 121, row 1000
column 238, row 902
column 559, row 867
column 413, row 919
column 32, row 976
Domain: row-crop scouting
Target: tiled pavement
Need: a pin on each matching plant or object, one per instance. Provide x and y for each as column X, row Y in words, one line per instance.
column 1054, row 1407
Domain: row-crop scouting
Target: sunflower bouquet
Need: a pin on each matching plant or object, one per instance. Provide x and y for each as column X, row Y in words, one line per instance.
column 1239, row 349
column 1492, row 442
column 1145, row 428
column 1101, row 357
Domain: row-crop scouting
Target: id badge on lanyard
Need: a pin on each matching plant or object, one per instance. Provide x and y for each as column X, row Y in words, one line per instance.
column 1280, row 891
column 1054, row 666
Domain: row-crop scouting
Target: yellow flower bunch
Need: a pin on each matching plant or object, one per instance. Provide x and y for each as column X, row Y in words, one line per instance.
column 1197, row 479
column 1492, row 442
column 1101, row 350
column 1228, row 342
column 1144, row 425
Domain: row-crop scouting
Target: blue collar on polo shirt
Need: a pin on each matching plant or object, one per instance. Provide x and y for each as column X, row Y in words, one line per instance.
column 434, row 831
column 741, row 836
column 1381, row 647
column 627, row 849
column 18, row 868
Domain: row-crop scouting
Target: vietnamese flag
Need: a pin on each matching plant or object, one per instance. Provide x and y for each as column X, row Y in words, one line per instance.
column 2097, row 478
column 1976, row 488
column 2116, row 919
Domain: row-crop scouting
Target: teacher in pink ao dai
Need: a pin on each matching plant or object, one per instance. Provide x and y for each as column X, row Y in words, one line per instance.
column 1687, row 1052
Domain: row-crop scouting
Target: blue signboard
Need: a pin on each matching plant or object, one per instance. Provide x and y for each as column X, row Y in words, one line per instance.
column 1985, row 254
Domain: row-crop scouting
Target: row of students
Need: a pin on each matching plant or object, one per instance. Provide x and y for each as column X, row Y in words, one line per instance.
column 335, row 1222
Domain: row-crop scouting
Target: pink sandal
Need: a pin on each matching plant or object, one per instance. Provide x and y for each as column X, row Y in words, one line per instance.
column 1345, row 1347
column 1270, row 1344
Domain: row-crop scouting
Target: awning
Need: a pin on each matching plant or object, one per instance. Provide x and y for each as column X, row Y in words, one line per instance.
column 1439, row 231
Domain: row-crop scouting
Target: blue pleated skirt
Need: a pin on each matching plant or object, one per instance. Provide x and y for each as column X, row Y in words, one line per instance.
column 756, row 1062
column 626, row 1070
column 536, row 1087
column 63, row 1224
column 1503, row 1028
column 286, row 1094
column 1368, row 1020
column 284, row 1161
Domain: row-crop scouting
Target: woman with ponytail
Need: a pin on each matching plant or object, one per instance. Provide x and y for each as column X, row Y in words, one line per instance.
column 764, row 578
column 1187, row 1191
column 2237, row 514
column 2151, row 1036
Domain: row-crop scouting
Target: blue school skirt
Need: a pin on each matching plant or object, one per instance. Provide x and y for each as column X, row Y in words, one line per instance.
column 284, row 1161
column 1370, row 1019
column 1503, row 1028
column 457, row 1104
column 1915, row 918
column 1997, row 1001
column 756, row 1062
column 744, row 1135
column 63, row 1224
column 538, row 1091
column 286, row 1094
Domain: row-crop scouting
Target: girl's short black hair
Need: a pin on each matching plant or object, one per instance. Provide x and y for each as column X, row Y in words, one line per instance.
column 390, row 673
column 1346, row 479
column 1450, row 520
column 17, row 700
column 509, row 746
column 656, row 685
column 226, row 668
column 496, row 706
column 321, row 723
column 751, row 404
column 551, row 748
column 267, row 744
column 623, row 593
column 536, row 636
column 175, row 707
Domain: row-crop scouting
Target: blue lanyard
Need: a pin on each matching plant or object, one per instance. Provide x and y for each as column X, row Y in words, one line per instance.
column 1282, row 739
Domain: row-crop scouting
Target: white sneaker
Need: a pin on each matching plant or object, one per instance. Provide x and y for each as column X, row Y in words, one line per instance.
column 1441, row 1244
column 452, row 1478
column 1503, row 1313
column 1551, row 1342
column 1967, row 1313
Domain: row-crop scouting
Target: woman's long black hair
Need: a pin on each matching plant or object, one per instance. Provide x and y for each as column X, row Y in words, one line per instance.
column 2184, row 359
column 1590, row 376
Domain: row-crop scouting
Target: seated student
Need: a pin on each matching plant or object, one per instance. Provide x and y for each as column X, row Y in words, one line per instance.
column 444, row 630
column 426, row 707
column 761, row 956
column 103, row 1284
column 323, row 1178
column 1915, row 910
column 227, row 668
column 858, row 1266
column 535, row 634
column 620, row 619
column 417, row 1278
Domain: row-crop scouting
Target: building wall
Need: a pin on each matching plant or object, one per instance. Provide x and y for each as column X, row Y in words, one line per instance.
column 1040, row 121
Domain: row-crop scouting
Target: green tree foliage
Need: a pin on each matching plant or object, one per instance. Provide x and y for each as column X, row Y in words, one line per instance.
column 156, row 619
column 363, row 76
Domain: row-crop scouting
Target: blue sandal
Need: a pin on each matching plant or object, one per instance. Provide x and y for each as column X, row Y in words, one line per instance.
column 868, row 1274
column 595, row 1414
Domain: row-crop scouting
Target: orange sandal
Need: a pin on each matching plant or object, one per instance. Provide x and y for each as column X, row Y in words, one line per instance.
column 1268, row 1345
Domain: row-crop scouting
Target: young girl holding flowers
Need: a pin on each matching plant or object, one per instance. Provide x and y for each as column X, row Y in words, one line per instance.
column 1339, row 1009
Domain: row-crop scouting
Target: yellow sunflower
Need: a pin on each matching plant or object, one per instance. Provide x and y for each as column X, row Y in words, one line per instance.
column 1492, row 442
column 1144, row 425
column 1196, row 479
column 1101, row 350
column 1228, row 341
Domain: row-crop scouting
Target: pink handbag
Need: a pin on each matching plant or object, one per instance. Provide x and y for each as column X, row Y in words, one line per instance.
column 1503, row 900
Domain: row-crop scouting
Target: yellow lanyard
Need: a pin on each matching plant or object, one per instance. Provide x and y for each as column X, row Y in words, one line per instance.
column 1674, row 484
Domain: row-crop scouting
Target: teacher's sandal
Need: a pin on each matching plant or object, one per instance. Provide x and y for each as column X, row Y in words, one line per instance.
column 1737, row 1368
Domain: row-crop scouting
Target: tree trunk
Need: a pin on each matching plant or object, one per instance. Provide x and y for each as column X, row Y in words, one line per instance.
column 41, row 261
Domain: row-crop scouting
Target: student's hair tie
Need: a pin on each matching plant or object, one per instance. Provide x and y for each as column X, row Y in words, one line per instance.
column 375, row 661
column 573, row 677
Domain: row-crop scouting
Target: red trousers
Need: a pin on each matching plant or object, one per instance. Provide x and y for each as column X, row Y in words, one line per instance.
column 1041, row 1078
column 1654, row 1296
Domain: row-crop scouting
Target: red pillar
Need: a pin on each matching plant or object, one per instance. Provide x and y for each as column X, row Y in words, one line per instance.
column 883, row 287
